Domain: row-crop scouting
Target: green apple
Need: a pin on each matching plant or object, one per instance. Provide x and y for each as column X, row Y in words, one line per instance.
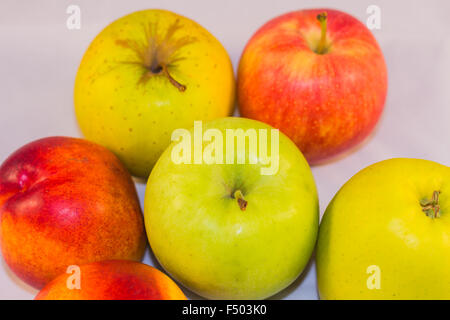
column 145, row 75
column 233, row 230
column 386, row 234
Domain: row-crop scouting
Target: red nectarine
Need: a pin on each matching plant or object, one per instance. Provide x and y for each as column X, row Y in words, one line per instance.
column 66, row 201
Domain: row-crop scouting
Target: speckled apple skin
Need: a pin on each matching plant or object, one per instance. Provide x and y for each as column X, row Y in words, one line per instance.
column 327, row 104
column 124, row 107
column 66, row 201
column 114, row 280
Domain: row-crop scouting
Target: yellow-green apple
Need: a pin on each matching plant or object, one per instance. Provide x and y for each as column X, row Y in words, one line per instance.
column 221, row 221
column 66, row 201
column 386, row 234
column 317, row 75
column 145, row 75
column 112, row 280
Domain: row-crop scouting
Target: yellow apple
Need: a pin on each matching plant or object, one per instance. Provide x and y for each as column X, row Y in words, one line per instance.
column 386, row 234
column 145, row 75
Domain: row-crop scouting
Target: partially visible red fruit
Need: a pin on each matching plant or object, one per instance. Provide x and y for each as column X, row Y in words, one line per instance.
column 114, row 280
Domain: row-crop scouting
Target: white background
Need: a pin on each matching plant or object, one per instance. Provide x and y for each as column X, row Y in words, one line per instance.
column 39, row 58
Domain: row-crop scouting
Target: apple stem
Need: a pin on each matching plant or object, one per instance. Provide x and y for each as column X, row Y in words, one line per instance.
column 431, row 207
column 178, row 85
column 321, row 48
column 240, row 200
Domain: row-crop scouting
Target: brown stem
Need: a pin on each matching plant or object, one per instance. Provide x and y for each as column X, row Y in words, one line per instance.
column 178, row 85
column 240, row 199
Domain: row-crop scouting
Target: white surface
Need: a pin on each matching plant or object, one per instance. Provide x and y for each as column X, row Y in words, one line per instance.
column 39, row 58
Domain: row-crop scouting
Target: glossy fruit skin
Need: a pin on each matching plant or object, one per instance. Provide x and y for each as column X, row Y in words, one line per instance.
column 326, row 103
column 66, row 201
column 376, row 219
column 114, row 280
column 203, row 240
column 121, row 105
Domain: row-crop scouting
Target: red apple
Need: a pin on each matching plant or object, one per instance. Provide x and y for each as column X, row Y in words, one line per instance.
column 113, row 280
column 66, row 201
column 317, row 75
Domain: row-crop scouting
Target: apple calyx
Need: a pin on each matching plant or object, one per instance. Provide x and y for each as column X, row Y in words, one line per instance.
column 322, row 47
column 431, row 207
column 240, row 199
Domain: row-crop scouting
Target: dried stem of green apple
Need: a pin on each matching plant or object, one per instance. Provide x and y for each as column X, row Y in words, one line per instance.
column 431, row 207
column 240, row 200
